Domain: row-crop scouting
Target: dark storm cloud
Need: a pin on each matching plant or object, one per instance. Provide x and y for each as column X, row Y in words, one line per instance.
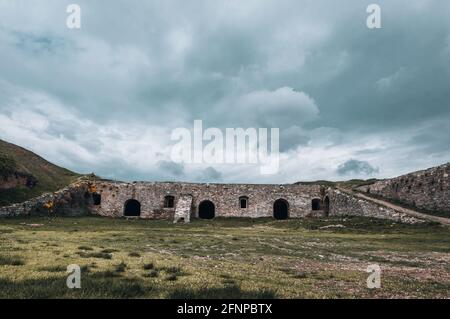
column 210, row 174
column 356, row 168
column 171, row 168
column 336, row 89
column 392, row 79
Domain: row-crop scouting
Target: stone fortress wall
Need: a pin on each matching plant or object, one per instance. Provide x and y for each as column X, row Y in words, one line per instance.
column 73, row 200
column 346, row 204
column 157, row 200
column 428, row 189
column 181, row 202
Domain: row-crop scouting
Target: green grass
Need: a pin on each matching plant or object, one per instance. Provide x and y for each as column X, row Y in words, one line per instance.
column 7, row 165
column 11, row 261
column 222, row 258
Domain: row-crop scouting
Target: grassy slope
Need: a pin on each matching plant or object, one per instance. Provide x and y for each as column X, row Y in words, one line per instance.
column 234, row 258
column 50, row 177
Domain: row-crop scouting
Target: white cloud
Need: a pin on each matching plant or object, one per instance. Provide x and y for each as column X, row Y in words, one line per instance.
column 59, row 133
column 388, row 82
column 283, row 107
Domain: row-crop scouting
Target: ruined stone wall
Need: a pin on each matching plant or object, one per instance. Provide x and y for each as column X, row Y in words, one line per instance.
column 428, row 189
column 183, row 209
column 342, row 204
column 225, row 198
column 74, row 200
column 106, row 198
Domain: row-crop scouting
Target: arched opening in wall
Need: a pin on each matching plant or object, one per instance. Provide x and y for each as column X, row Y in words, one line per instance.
column 281, row 209
column 326, row 205
column 206, row 210
column 243, row 202
column 315, row 204
column 132, row 208
column 169, row 201
column 97, row 198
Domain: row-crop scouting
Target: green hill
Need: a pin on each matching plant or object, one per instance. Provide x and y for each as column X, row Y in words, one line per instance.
column 24, row 175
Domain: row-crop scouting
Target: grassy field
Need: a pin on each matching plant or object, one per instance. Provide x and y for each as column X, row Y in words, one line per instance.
column 223, row 258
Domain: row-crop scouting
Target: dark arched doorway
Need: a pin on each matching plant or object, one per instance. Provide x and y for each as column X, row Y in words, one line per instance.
column 326, row 205
column 206, row 210
column 280, row 209
column 97, row 198
column 132, row 208
column 315, row 204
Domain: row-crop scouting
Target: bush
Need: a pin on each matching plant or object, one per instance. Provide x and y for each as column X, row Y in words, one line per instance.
column 151, row 273
column 109, row 251
column 149, row 266
column 171, row 277
column 173, row 270
column 121, row 267
column 11, row 261
column 95, row 255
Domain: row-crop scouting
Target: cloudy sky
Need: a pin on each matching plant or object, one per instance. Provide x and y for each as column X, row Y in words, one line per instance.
column 349, row 101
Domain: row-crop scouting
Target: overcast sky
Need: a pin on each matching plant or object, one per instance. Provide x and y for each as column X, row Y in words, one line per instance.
column 349, row 101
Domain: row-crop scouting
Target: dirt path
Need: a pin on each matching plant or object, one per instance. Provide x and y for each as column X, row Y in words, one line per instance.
column 442, row 220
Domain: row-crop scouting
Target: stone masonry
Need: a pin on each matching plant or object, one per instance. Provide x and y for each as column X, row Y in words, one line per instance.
column 74, row 200
column 181, row 202
column 428, row 189
column 225, row 198
column 183, row 209
column 344, row 204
